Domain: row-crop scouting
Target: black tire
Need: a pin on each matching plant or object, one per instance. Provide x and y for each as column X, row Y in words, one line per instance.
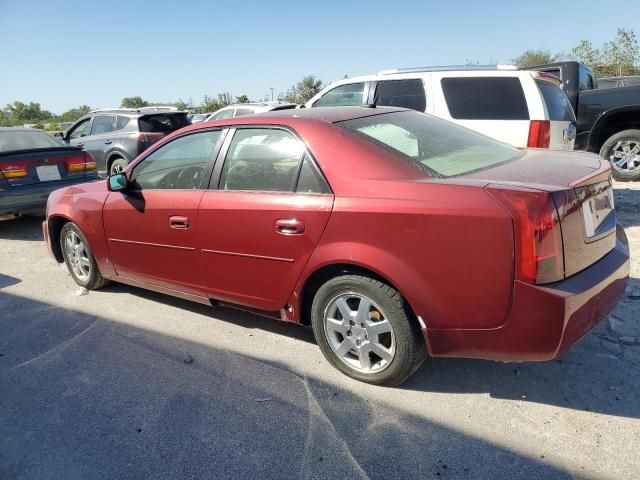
column 409, row 342
column 117, row 165
column 94, row 278
column 608, row 150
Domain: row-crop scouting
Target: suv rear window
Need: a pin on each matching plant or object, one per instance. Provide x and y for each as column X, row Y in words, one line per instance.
column 401, row 93
column 557, row 103
column 437, row 147
column 485, row 98
column 163, row 122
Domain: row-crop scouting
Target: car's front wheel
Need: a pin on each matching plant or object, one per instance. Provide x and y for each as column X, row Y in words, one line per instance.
column 365, row 329
column 79, row 259
column 623, row 151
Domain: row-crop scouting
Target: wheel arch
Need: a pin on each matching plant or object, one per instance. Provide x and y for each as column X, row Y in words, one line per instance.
column 611, row 122
column 54, row 225
column 113, row 155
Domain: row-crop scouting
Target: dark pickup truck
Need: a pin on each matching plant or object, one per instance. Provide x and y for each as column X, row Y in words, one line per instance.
column 608, row 120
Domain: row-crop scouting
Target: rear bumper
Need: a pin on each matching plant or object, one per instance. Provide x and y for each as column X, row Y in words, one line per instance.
column 32, row 199
column 545, row 321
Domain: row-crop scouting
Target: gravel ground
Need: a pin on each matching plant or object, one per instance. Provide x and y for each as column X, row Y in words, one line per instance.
column 124, row 383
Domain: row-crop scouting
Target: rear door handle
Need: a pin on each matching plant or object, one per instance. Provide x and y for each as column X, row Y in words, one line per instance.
column 80, row 145
column 179, row 222
column 108, row 142
column 289, row 226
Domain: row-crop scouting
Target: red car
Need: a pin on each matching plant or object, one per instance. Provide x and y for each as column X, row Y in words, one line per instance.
column 391, row 232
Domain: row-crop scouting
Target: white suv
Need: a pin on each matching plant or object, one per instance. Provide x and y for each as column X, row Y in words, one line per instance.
column 520, row 107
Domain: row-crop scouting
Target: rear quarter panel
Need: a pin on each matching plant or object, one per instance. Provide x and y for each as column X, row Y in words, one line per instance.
column 450, row 253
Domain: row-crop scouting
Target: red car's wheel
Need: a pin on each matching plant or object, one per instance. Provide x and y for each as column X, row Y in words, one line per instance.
column 79, row 259
column 364, row 328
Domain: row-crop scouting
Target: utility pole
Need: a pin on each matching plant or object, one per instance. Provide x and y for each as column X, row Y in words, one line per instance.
column 271, row 93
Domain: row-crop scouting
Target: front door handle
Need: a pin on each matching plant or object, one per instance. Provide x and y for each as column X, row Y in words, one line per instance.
column 80, row 145
column 108, row 142
column 289, row 226
column 179, row 222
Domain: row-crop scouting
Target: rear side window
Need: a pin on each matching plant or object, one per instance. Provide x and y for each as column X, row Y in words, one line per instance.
column 402, row 93
column 102, row 124
column 586, row 80
column 558, row 105
column 262, row 159
column 485, row 98
column 309, row 180
column 342, row 96
column 119, row 123
column 435, row 146
column 163, row 123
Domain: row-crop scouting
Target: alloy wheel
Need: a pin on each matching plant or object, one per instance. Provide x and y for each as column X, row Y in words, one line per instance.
column 625, row 156
column 359, row 333
column 77, row 256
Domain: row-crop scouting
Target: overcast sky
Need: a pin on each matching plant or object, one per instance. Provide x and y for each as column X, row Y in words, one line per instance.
column 64, row 54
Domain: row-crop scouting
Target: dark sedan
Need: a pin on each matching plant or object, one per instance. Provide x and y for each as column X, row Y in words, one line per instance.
column 32, row 165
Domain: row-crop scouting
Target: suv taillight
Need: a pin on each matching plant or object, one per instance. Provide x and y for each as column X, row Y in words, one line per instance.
column 538, row 240
column 539, row 134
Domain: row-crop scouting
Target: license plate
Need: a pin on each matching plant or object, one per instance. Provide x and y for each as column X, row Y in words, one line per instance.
column 48, row 173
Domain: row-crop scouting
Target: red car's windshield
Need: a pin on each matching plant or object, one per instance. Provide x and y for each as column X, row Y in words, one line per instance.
column 436, row 146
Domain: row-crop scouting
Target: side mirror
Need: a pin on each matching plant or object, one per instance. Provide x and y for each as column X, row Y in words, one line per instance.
column 117, row 182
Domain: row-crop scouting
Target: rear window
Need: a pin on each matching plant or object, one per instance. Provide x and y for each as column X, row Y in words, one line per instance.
column 25, row 140
column 163, row 122
column 485, row 98
column 435, row 146
column 558, row 105
column 401, row 93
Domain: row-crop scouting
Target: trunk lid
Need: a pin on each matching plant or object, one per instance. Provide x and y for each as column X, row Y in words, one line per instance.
column 40, row 165
column 580, row 186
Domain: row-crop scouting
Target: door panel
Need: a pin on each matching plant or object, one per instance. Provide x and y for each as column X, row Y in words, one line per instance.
column 254, row 245
column 152, row 237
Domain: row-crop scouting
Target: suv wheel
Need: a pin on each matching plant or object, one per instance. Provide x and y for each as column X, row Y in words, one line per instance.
column 365, row 330
column 117, row 165
column 623, row 151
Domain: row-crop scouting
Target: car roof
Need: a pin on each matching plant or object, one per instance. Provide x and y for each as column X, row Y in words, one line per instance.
column 21, row 129
column 326, row 114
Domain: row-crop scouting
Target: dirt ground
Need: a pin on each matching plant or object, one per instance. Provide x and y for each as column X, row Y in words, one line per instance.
column 128, row 384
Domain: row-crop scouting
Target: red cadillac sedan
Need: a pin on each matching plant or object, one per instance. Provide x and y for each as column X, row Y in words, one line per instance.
column 393, row 233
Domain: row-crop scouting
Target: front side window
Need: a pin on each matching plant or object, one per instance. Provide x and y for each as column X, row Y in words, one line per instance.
column 485, row 98
column 262, row 159
column 401, row 93
column 102, row 124
column 222, row 114
column 344, row 95
column 80, row 130
column 178, row 165
column 435, row 146
column 243, row 111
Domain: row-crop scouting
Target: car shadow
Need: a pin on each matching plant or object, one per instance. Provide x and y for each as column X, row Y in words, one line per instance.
column 627, row 205
column 588, row 378
column 87, row 397
column 22, row 228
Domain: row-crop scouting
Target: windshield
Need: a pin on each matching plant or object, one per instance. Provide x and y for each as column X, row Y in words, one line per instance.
column 25, row 140
column 436, row 146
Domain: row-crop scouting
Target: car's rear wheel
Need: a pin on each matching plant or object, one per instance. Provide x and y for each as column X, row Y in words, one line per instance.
column 117, row 165
column 365, row 329
column 623, row 151
column 79, row 259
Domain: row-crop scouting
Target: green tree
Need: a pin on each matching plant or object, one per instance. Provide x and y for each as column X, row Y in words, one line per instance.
column 133, row 102
column 617, row 57
column 74, row 114
column 304, row 90
column 180, row 105
column 242, row 99
column 531, row 58
column 20, row 112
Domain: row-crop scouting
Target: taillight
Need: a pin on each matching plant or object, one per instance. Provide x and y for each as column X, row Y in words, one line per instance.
column 539, row 134
column 80, row 163
column 538, row 240
column 14, row 170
